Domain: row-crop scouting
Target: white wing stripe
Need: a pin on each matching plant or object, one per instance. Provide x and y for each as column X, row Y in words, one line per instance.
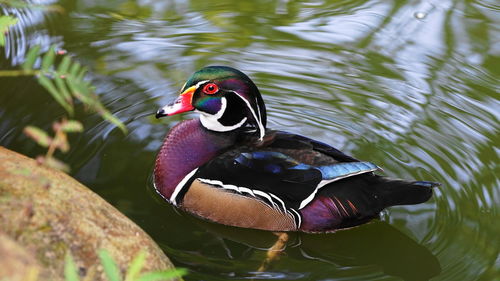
column 254, row 193
column 266, row 195
column 299, row 218
column 279, row 200
column 325, row 182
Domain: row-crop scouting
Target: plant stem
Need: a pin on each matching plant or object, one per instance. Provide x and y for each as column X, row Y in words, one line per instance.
column 52, row 146
column 15, row 73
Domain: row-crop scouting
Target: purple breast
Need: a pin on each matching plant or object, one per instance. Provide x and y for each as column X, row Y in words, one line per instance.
column 187, row 146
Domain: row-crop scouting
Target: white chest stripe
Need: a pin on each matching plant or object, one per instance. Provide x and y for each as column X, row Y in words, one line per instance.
column 254, row 193
column 325, row 182
column 178, row 188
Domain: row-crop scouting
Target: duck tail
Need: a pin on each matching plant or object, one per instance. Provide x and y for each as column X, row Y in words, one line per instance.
column 393, row 192
column 361, row 198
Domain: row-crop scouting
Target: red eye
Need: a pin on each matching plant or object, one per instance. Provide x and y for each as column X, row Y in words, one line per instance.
column 210, row 89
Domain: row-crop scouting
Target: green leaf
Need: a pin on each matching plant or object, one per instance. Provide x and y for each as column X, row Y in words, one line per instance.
column 70, row 273
column 82, row 92
column 163, row 275
column 64, row 65
column 55, row 163
column 136, row 266
column 63, row 89
column 71, row 126
column 31, row 57
column 5, row 23
column 38, row 135
column 81, row 74
column 74, row 69
column 48, row 58
column 109, row 265
column 76, row 92
column 113, row 119
column 49, row 86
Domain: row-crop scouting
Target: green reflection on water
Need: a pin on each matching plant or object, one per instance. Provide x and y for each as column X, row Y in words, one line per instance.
column 419, row 97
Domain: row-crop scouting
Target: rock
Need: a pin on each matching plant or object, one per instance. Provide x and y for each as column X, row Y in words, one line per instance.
column 50, row 214
column 16, row 263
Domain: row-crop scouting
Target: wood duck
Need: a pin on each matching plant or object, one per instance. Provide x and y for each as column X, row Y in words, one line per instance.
column 227, row 167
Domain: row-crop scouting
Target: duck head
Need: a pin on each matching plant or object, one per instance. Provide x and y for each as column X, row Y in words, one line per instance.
column 226, row 99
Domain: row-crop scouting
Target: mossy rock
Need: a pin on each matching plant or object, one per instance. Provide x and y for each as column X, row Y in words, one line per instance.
column 48, row 214
column 16, row 263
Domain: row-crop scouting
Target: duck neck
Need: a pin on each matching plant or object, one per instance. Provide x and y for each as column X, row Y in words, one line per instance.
column 186, row 147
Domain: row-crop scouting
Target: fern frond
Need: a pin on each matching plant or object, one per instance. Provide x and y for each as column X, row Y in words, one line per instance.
column 65, row 81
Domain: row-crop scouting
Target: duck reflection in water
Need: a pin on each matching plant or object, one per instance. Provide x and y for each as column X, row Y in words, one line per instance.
column 364, row 251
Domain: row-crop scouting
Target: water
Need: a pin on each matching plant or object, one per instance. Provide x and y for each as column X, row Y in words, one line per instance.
column 410, row 85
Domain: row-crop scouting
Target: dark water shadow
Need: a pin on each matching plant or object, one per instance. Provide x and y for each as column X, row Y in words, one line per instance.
column 376, row 245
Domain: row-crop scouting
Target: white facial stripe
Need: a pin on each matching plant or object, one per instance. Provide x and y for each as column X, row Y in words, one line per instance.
column 211, row 121
column 259, row 121
column 258, row 110
column 201, row 82
column 178, row 188
column 196, row 86
column 223, row 106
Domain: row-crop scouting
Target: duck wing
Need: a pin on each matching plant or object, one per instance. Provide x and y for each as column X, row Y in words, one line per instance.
column 274, row 177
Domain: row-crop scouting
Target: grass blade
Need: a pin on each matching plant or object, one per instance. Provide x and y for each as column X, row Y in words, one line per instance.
column 136, row 266
column 31, row 58
column 109, row 265
column 163, row 275
column 70, row 273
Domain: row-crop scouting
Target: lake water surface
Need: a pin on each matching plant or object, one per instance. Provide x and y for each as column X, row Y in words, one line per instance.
column 411, row 85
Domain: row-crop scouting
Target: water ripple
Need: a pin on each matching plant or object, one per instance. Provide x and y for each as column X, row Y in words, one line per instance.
column 416, row 95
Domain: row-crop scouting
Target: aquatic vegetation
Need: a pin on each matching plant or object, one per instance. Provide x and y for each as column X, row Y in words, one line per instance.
column 133, row 272
column 65, row 80
column 5, row 23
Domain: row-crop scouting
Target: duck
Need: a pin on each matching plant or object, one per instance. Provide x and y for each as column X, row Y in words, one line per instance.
column 227, row 167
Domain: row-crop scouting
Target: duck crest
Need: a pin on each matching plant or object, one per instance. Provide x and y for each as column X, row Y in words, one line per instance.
column 186, row 147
